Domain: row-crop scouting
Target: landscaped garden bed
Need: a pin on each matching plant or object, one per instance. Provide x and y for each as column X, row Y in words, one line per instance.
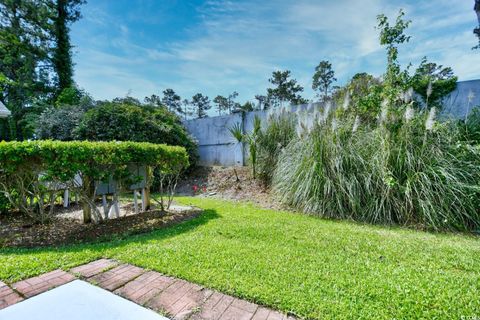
column 17, row 230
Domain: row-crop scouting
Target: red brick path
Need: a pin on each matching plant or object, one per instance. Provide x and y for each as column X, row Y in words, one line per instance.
column 176, row 298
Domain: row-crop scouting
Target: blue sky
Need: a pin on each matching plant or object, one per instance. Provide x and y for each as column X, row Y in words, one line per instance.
column 141, row 47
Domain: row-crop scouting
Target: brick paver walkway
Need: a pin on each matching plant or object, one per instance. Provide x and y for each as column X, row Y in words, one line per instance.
column 175, row 298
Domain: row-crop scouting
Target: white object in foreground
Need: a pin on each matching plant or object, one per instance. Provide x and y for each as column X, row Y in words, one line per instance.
column 78, row 300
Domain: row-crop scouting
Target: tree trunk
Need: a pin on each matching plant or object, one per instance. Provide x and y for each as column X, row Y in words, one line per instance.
column 88, row 193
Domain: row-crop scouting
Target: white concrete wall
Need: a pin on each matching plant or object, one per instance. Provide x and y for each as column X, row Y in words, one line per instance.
column 216, row 145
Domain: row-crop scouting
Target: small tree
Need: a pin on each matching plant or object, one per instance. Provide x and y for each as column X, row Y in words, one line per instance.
column 285, row 90
column 154, row 101
column 172, row 101
column 221, row 104
column 433, row 82
column 251, row 138
column 323, row 78
column 395, row 79
column 201, row 105
column 231, row 104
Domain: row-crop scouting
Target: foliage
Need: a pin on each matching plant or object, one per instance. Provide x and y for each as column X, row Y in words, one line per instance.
column 59, row 123
column 470, row 127
column 362, row 95
column 246, row 107
column 249, row 138
column 221, row 104
column 323, row 78
column 127, row 122
column 33, row 173
column 34, row 58
column 280, row 129
column 201, row 105
column 408, row 174
column 395, row 80
column 226, row 104
column 23, row 58
column 309, row 267
column 65, row 13
column 172, row 101
column 377, row 159
column 433, row 82
column 285, row 90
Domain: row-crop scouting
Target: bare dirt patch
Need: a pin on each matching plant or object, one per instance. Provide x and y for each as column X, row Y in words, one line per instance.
column 230, row 183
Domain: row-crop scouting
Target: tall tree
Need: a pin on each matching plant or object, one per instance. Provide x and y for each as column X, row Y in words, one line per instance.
column 221, row 104
column 285, row 90
column 323, row 78
column 231, row 104
column 246, row 107
column 201, row 105
column 24, row 61
column 66, row 12
column 172, row 101
column 187, row 111
column 154, row 101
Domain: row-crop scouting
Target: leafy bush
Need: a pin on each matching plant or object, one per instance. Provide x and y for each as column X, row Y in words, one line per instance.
column 59, row 123
column 128, row 122
column 34, row 172
column 408, row 171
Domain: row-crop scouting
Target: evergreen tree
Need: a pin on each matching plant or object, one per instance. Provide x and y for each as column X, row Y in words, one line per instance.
column 172, row 101
column 66, row 12
column 221, row 104
column 323, row 78
column 201, row 105
column 24, row 62
column 286, row 89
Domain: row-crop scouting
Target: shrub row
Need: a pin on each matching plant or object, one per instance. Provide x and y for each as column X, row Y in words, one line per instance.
column 33, row 172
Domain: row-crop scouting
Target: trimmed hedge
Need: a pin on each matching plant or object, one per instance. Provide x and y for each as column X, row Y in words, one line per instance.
column 39, row 169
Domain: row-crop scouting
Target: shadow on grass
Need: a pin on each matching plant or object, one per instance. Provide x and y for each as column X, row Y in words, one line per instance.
column 120, row 241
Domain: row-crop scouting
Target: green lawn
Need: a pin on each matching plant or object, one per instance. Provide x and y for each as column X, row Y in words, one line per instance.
column 311, row 267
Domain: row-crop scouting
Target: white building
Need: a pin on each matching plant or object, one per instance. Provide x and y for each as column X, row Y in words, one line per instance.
column 4, row 112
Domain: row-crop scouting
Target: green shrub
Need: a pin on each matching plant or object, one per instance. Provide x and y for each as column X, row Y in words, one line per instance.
column 128, row 122
column 471, row 126
column 33, row 173
column 408, row 172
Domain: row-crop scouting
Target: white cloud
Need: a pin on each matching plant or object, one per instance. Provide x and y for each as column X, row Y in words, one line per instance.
column 237, row 44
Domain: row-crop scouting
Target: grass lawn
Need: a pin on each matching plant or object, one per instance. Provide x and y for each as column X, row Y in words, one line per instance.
column 311, row 267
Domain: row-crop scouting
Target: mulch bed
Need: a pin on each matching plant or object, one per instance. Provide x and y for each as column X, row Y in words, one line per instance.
column 18, row 231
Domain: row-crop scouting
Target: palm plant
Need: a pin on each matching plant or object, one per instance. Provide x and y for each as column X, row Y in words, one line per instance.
column 250, row 138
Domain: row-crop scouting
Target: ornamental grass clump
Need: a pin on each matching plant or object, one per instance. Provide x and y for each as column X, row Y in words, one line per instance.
column 409, row 169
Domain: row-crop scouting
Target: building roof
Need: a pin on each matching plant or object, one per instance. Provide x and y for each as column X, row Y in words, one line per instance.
column 4, row 112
